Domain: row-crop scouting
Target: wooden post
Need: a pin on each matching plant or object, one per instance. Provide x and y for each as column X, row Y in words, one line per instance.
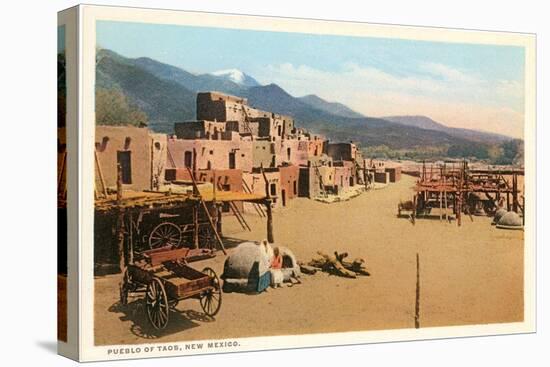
column 151, row 171
column 120, row 221
column 365, row 175
column 195, row 225
column 417, row 298
column 119, row 184
column 440, row 205
column 445, row 198
column 459, row 209
column 515, row 192
column 270, row 237
column 219, row 219
column 194, row 162
column 130, row 239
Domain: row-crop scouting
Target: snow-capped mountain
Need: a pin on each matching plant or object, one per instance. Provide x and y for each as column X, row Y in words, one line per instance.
column 237, row 76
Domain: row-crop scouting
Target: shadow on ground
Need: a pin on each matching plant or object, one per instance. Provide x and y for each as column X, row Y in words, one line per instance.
column 178, row 320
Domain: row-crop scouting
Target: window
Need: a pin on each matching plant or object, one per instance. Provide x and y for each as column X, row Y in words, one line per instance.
column 279, row 130
column 288, row 153
column 188, row 159
column 273, row 189
column 124, row 159
column 232, row 160
column 295, row 187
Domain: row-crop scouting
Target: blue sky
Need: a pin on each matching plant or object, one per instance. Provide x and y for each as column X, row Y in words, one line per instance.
column 462, row 85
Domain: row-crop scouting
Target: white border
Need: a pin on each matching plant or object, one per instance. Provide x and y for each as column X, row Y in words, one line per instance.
column 89, row 16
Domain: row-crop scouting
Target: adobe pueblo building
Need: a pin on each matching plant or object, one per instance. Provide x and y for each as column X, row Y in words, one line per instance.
column 246, row 144
column 232, row 159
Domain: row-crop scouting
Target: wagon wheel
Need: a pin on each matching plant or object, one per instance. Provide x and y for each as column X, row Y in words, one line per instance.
column 211, row 300
column 157, row 304
column 123, row 288
column 165, row 234
column 206, row 237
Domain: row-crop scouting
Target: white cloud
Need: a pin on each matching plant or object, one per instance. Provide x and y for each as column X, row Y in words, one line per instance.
column 448, row 95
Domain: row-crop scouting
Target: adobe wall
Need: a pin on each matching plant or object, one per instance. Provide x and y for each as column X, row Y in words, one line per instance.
column 342, row 177
column 394, row 173
column 136, row 140
column 211, row 154
column 290, row 176
column 315, row 147
column 256, row 184
column 298, row 152
column 263, row 154
column 381, row 177
column 342, row 151
column 199, row 129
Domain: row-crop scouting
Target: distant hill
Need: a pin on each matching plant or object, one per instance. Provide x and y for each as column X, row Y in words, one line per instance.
column 164, row 101
column 427, row 123
column 168, row 95
column 192, row 82
column 331, row 107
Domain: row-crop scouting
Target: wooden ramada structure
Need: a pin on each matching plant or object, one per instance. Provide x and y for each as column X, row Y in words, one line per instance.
column 203, row 203
column 453, row 185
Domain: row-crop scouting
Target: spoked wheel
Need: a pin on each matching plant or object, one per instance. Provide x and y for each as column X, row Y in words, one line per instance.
column 157, row 304
column 211, row 300
column 165, row 234
column 123, row 287
column 206, row 237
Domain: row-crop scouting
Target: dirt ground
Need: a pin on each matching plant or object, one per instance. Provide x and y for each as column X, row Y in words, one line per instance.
column 468, row 275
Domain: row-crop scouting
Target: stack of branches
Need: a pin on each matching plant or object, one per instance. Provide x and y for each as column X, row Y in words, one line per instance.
column 336, row 264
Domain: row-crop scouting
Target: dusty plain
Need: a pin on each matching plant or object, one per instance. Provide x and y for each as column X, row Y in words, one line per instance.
column 471, row 274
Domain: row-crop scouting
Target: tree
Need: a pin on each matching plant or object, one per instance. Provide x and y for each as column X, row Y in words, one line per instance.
column 511, row 152
column 112, row 108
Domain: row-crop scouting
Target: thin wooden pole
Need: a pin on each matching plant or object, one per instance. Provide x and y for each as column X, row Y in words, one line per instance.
column 195, row 225
column 219, row 220
column 151, row 172
column 417, row 294
column 445, row 198
column 365, row 175
column 120, row 221
column 440, row 205
column 130, row 238
column 270, row 237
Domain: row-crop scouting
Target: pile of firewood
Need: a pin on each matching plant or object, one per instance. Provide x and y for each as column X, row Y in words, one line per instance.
column 335, row 264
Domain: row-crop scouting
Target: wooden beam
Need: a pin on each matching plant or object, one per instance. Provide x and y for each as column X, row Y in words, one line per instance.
column 100, row 172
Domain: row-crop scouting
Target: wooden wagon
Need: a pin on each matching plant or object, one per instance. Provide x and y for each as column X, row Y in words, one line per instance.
column 165, row 278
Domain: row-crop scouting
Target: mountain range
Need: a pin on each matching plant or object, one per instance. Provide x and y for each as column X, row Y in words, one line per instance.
column 236, row 76
column 168, row 94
